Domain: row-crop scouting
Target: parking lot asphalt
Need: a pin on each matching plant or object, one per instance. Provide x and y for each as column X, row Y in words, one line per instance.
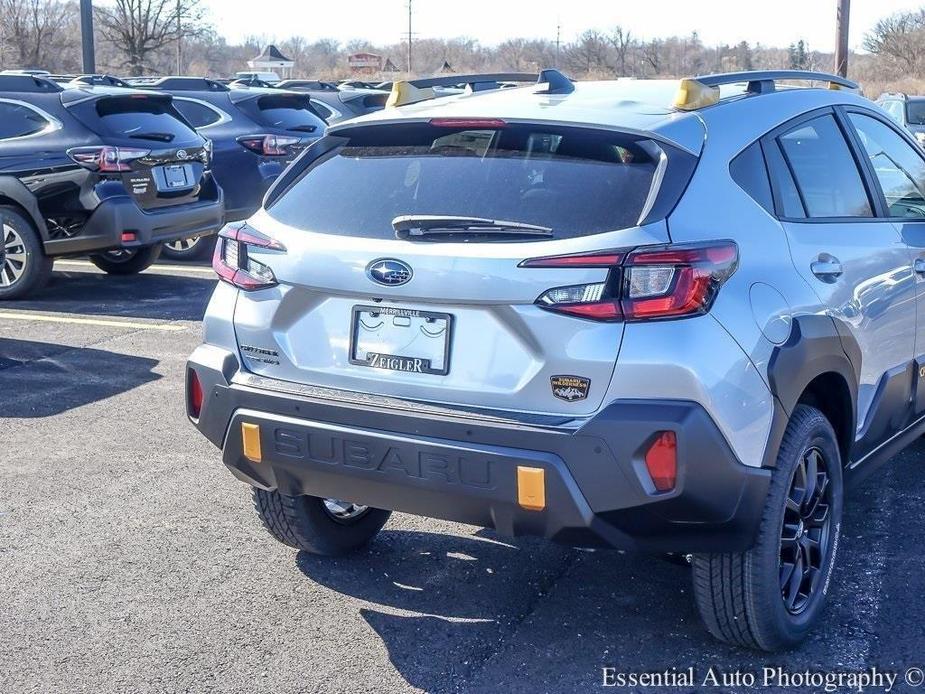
column 131, row 560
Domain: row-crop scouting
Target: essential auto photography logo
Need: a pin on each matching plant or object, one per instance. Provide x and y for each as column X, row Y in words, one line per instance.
column 831, row 682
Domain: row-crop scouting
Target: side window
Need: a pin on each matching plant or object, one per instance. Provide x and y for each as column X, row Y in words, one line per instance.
column 897, row 165
column 749, row 171
column 791, row 206
column 198, row 115
column 17, row 120
column 825, row 172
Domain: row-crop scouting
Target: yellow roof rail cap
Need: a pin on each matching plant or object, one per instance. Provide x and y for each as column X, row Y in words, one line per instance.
column 404, row 93
column 693, row 95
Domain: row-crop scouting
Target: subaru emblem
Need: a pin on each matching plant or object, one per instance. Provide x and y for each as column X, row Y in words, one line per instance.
column 182, row 154
column 389, row 272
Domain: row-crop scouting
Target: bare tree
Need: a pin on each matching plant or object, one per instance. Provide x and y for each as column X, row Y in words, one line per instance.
column 37, row 32
column 141, row 28
column 588, row 54
column 623, row 42
column 899, row 38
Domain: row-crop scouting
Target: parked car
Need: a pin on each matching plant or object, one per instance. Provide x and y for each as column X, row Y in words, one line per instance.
column 255, row 133
column 908, row 111
column 590, row 312
column 103, row 171
column 336, row 105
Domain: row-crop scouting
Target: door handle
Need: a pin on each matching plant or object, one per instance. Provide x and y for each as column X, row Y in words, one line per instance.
column 826, row 267
column 919, row 266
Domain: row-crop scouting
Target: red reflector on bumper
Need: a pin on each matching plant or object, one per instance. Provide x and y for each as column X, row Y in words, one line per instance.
column 129, row 236
column 194, row 394
column 662, row 461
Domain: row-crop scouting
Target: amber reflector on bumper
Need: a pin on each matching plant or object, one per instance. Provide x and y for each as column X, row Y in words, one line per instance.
column 250, row 435
column 531, row 488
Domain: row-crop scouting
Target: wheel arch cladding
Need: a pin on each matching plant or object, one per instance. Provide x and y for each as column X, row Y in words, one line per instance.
column 813, row 367
column 15, row 194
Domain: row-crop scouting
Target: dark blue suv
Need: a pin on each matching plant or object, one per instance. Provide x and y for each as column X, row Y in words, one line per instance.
column 104, row 171
column 255, row 132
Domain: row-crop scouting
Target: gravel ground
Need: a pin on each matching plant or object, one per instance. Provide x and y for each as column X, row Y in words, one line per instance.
column 131, row 561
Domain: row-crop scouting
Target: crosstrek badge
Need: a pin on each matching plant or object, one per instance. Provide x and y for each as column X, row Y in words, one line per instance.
column 570, row 388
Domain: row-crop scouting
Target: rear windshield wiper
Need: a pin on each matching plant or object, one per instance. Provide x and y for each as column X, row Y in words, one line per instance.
column 412, row 226
column 160, row 137
column 304, row 128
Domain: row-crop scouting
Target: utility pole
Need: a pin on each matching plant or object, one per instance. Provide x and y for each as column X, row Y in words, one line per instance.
column 841, row 37
column 409, row 37
column 179, row 41
column 558, row 40
column 86, row 36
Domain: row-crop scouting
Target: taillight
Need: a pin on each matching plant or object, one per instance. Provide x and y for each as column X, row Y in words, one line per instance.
column 232, row 261
column 649, row 283
column 107, row 159
column 269, row 145
column 194, row 394
column 662, row 461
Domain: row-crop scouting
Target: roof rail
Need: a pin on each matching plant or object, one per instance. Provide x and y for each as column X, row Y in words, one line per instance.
column 698, row 92
column 28, row 83
column 179, row 83
column 102, row 81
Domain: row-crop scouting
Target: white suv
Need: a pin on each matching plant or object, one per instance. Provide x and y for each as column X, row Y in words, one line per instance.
column 674, row 317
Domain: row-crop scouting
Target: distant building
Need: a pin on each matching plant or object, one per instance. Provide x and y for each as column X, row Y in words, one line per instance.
column 390, row 66
column 272, row 60
column 365, row 63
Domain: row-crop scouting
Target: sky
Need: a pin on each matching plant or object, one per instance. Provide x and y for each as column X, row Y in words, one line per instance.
column 777, row 23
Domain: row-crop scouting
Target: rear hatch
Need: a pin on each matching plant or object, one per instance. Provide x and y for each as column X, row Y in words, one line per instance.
column 161, row 160
column 289, row 116
column 403, row 271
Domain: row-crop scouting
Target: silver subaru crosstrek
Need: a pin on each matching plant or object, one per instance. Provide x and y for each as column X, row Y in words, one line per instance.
column 676, row 317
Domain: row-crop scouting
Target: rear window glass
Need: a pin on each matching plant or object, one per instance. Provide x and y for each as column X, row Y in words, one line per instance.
column 915, row 112
column 142, row 119
column 17, row 120
column 288, row 113
column 574, row 181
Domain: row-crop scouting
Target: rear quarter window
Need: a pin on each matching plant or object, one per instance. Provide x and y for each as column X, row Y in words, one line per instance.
column 199, row 115
column 750, row 172
column 18, row 120
column 576, row 181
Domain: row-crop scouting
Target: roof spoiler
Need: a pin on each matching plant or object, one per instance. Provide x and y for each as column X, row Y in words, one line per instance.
column 406, row 92
column 179, row 83
column 698, row 92
column 28, row 83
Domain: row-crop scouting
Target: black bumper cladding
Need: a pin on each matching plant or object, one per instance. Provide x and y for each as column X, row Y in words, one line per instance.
column 597, row 491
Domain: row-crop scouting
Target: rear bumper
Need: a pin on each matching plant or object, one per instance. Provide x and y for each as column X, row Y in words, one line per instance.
column 103, row 229
column 464, row 467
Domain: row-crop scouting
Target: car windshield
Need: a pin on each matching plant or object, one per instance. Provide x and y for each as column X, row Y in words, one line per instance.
column 915, row 112
column 574, row 181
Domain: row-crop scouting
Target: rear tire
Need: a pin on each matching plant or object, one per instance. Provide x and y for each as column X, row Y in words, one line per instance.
column 309, row 524
column 770, row 597
column 196, row 248
column 24, row 267
column 127, row 261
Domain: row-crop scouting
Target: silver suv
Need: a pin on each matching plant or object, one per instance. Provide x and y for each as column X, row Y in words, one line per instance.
column 670, row 317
